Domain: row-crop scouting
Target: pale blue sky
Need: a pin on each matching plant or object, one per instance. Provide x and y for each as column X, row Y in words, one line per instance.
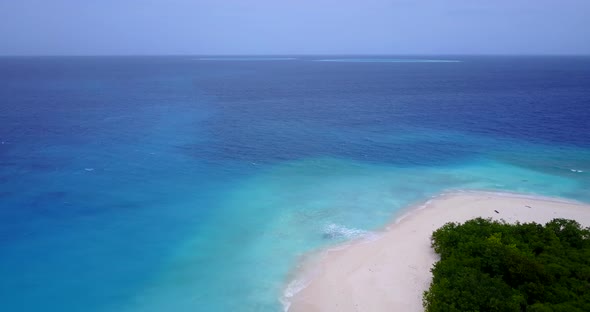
column 88, row 27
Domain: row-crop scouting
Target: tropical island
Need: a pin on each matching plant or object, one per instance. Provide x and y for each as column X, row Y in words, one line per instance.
column 461, row 251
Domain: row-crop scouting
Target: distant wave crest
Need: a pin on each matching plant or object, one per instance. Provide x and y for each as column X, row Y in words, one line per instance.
column 245, row 59
column 374, row 60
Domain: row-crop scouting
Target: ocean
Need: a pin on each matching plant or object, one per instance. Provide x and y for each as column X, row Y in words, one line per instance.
column 199, row 183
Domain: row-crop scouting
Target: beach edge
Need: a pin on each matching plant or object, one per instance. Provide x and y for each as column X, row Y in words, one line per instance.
column 391, row 270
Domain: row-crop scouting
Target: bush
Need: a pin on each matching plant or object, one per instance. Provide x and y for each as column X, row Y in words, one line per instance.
column 495, row 266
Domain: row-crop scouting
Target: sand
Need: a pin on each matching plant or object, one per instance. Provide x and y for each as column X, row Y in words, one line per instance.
column 390, row 272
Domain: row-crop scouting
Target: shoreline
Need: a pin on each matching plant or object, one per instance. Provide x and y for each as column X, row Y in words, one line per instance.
column 389, row 269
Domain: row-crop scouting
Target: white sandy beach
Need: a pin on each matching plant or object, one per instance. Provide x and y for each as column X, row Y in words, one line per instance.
column 391, row 273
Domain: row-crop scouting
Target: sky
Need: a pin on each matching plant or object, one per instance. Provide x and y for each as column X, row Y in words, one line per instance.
column 274, row 27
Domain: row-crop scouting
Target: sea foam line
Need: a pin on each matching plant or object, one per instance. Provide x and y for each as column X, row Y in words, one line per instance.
column 245, row 59
column 388, row 61
column 305, row 277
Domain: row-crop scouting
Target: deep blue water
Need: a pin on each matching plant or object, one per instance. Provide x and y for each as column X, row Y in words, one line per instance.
column 196, row 184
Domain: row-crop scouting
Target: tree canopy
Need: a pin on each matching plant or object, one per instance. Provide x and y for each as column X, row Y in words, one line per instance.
column 495, row 266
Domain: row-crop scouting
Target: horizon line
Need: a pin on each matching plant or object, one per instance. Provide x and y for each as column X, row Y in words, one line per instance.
column 292, row 55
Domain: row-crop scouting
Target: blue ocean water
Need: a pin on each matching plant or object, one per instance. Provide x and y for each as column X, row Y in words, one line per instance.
column 197, row 184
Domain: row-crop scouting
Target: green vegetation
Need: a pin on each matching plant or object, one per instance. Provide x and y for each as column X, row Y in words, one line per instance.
column 495, row 266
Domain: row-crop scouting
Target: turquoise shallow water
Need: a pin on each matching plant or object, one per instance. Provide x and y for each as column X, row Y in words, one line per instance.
column 169, row 184
column 317, row 202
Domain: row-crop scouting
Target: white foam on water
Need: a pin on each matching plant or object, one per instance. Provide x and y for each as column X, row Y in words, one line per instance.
column 245, row 59
column 292, row 289
column 388, row 61
column 305, row 277
column 414, row 209
column 333, row 230
column 576, row 170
